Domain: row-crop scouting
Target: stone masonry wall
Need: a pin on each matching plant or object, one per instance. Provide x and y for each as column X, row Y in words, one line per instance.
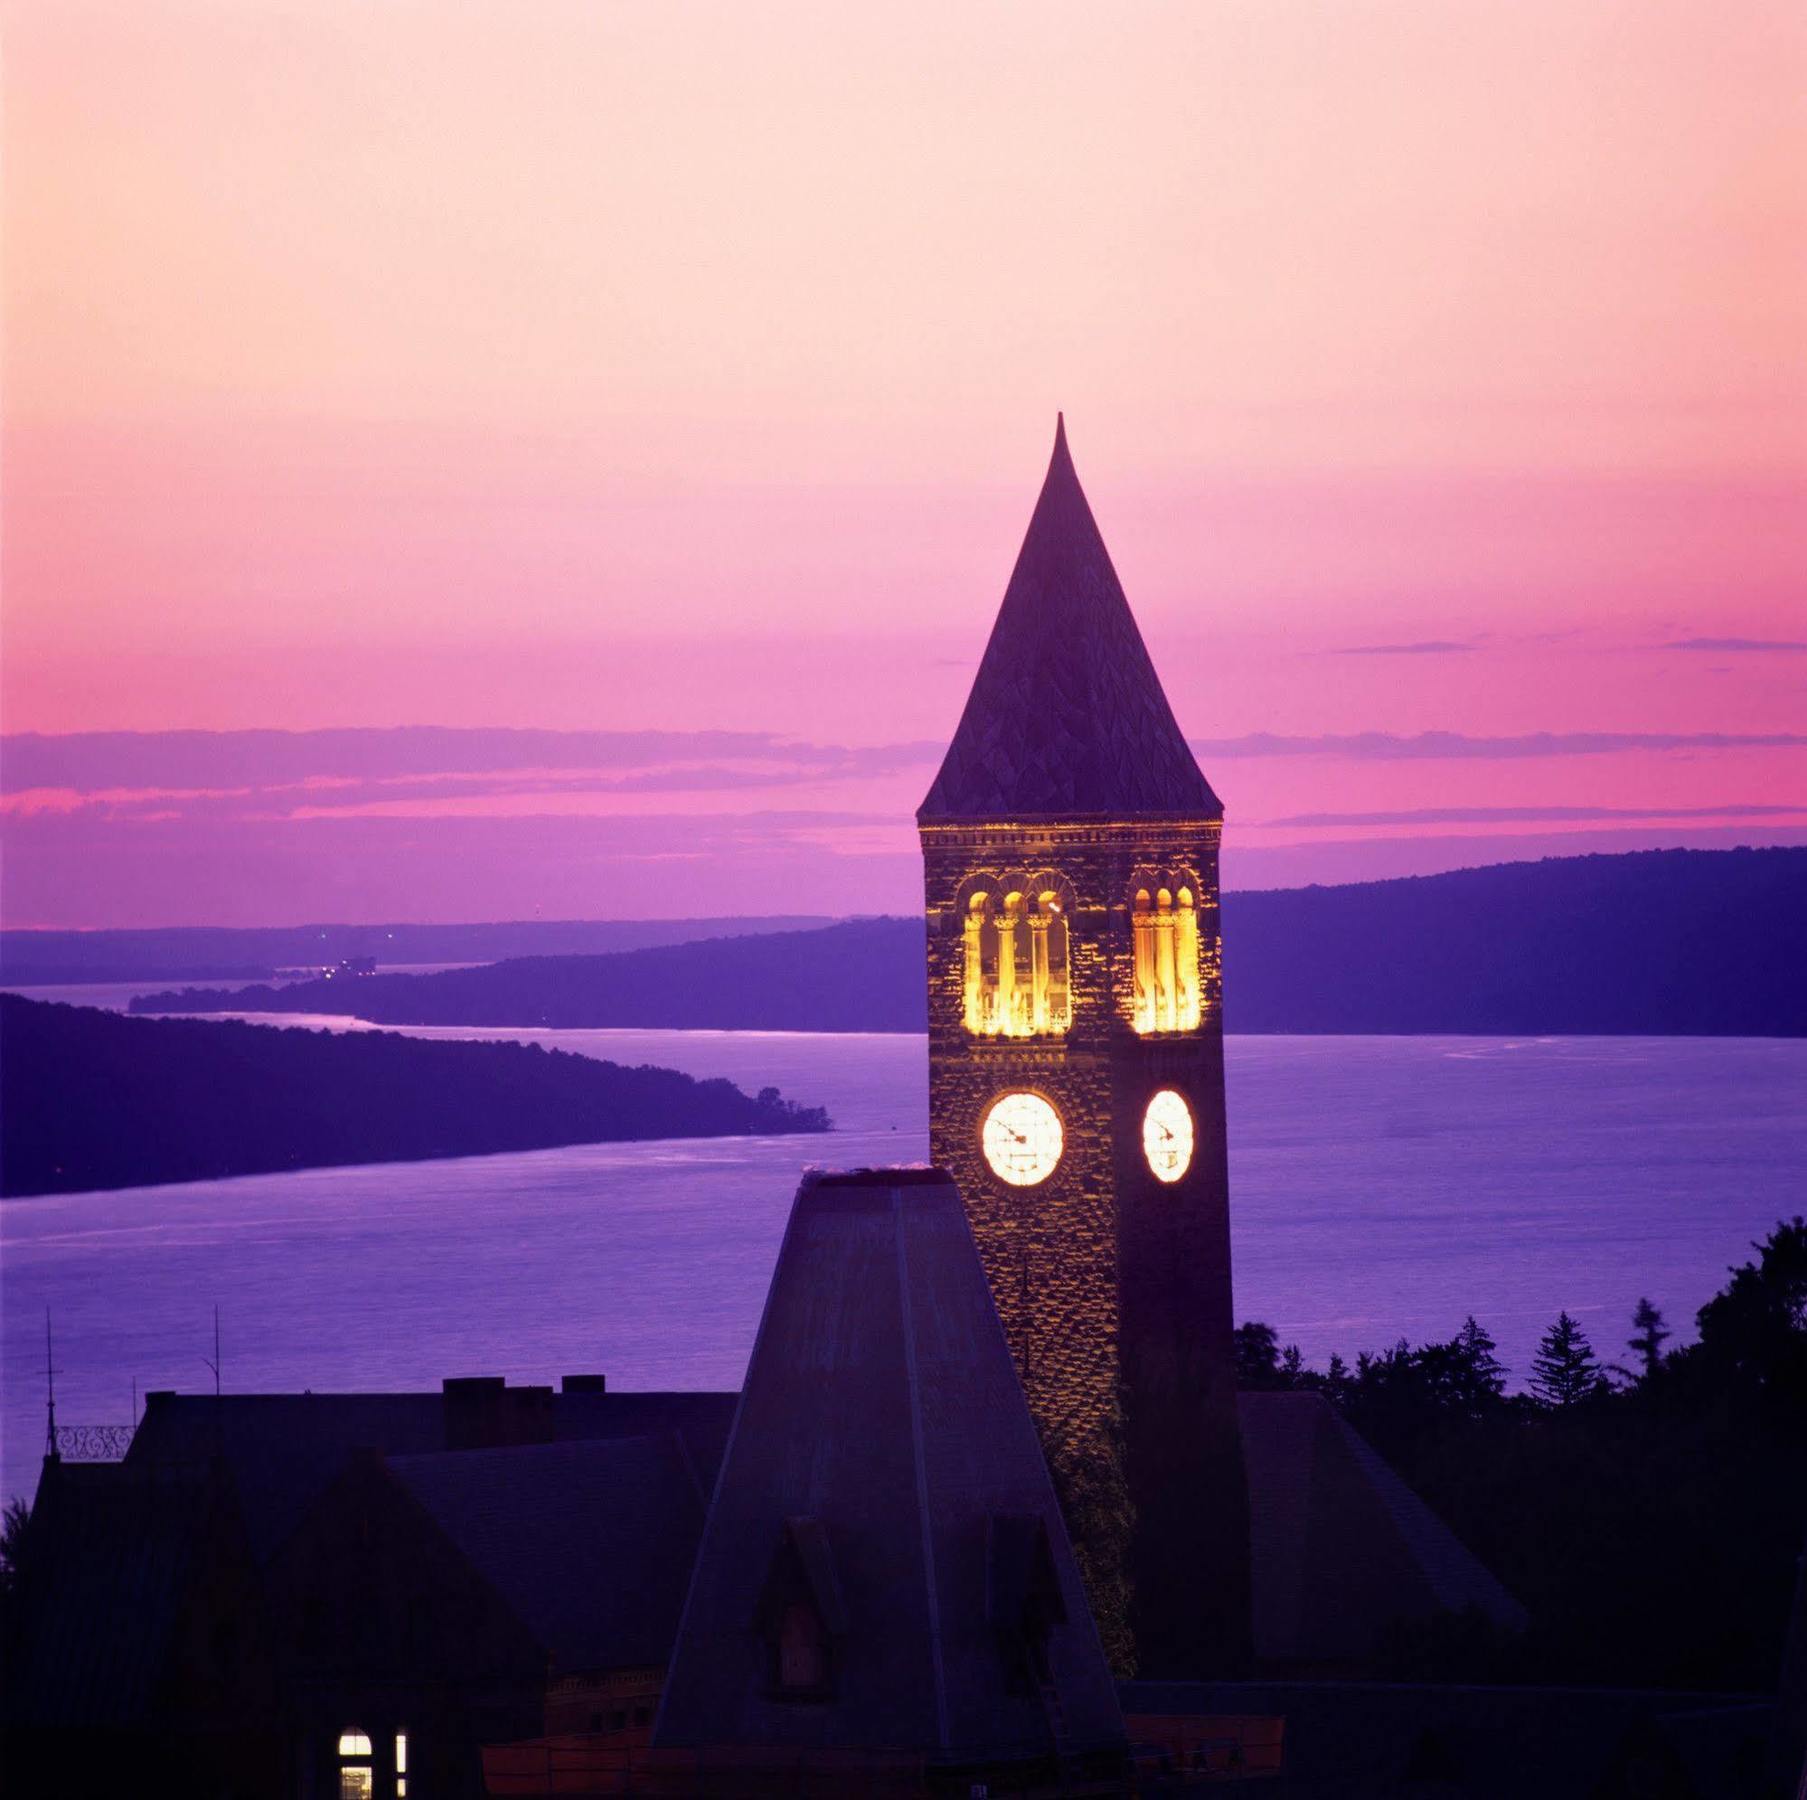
column 1113, row 1287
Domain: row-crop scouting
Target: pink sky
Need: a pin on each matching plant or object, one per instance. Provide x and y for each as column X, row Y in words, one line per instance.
column 620, row 368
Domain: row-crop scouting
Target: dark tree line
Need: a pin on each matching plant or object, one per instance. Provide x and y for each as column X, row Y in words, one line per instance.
column 1649, row 1513
column 95, row 1100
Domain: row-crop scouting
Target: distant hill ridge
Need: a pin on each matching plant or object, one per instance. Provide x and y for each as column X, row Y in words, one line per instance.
column 1659, row 942
column 251, row 953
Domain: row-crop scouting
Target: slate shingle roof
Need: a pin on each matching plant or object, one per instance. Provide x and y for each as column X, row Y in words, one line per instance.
column 1340, row 1548
column 283, row 1449
column 1066, row 714
column 881, row 1410
column 589, row 1543
column 118, row 1551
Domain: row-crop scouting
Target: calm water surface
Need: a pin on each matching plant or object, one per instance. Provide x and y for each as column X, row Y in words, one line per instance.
column 1380, row 1186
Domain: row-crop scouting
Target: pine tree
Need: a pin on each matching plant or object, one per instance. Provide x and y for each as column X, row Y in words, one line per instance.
column 1564, row 1371
column 1647, row 1339
column 1484, row 1375
column 1754, row 1331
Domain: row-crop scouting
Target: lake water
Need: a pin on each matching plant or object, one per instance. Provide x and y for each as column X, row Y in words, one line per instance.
column 1380, row 1187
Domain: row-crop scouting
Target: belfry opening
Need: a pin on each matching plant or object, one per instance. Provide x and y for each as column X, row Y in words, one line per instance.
column 1165, row 925
column 1015, row 943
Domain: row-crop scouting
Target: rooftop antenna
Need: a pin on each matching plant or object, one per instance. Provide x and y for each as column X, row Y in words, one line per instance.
column 49, row 1393
column 215, row 1364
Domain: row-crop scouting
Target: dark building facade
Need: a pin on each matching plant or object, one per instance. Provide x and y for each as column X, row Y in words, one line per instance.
column 1076, row 1094
column 341, row 1596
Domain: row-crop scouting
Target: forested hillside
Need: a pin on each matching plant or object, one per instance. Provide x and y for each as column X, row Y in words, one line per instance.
column 95, row 1100
column 1663, row 942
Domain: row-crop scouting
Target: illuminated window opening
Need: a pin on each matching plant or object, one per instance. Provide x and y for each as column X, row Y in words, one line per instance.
column 1015, row 952
column 1145, row 962
column 978, row 918
column 1166, row 940
column 357, row 1775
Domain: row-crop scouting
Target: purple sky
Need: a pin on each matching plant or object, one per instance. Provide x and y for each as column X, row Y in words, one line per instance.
column 640, row 374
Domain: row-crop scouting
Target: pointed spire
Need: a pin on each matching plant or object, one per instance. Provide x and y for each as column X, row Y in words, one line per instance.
column 1066, row 715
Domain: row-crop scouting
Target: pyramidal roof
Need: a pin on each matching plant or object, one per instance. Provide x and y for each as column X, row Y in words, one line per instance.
column 884, row 1474
column 1066, row 715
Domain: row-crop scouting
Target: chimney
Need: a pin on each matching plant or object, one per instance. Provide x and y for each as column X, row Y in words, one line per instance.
column 482, row 1412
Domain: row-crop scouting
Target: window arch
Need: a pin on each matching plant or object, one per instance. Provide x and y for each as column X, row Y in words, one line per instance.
column 1015, row 945
column 357, row 1769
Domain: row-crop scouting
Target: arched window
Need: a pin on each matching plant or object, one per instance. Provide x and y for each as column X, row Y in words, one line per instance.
column 1167, row 995
column 976, row 928
column 357, row 1772
column 1015, row 948
column 1147, row 1004
column 1166, row 1010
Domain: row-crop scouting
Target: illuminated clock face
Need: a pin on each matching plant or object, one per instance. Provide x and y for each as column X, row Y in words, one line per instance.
column 1022, row 1139
column 1167, row 1135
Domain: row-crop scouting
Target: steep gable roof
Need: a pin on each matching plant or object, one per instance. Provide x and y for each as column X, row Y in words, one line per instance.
column 589, row 1542
column 1066, row 715
column 1340, row 1548
column 284, row 1449
column 116, row 1558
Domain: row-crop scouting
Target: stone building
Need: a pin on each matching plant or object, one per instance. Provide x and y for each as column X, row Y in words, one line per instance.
column 1076, row 1083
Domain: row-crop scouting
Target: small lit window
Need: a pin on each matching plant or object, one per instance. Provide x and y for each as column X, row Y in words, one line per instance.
column 401, row 1753
column 357, row 1778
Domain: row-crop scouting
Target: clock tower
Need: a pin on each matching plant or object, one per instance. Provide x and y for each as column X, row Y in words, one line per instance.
column 1076, row 1085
